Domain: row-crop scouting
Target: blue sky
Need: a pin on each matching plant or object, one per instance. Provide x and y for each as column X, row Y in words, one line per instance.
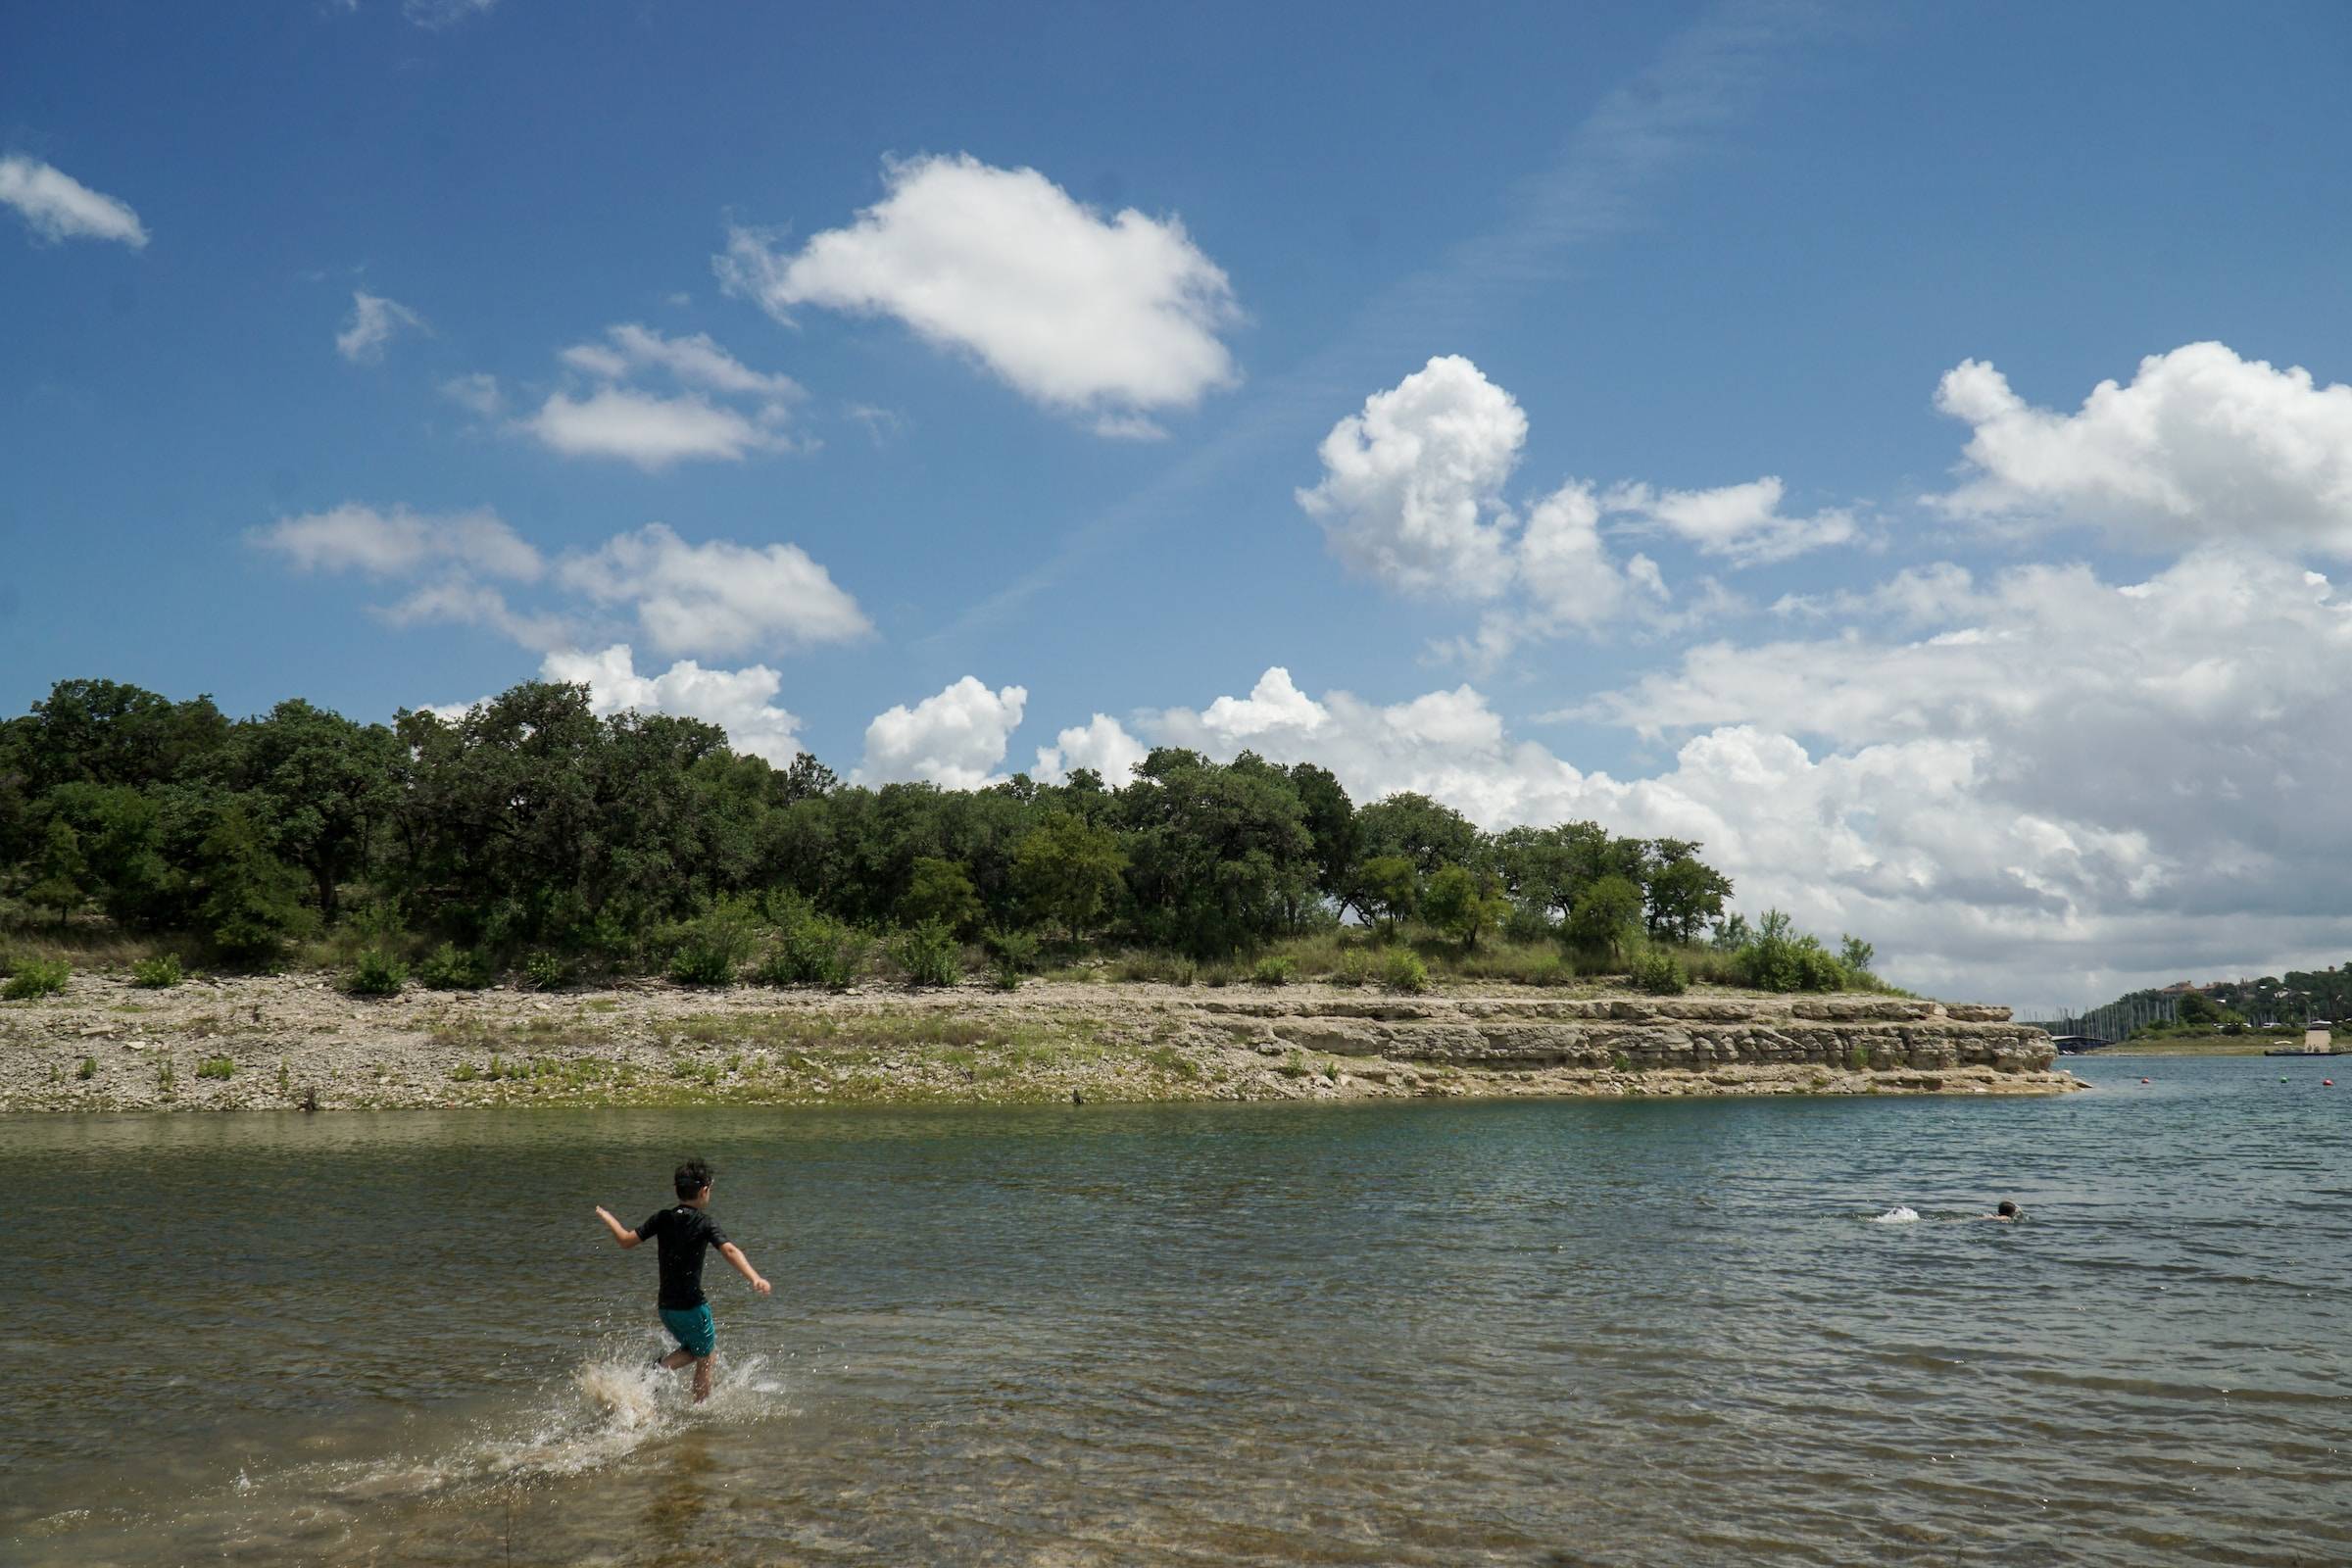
column 352, row 350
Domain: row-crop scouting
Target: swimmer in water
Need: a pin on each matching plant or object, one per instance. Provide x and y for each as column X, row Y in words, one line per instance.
column 2008, row 1211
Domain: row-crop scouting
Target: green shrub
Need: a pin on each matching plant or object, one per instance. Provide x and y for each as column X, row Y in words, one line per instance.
column 37, row 977
column 1012, row 950
column 927, row 954
column 1404, row 972
column 1818, row 968
column 1218, row 975
column 159, row 973
column 1012, row 955
column 1779, row 957
column 216, row 1068
column 699, row 963
column 87, row 1070
column 1355, row 967
column 709, row 950
column 1620, row 1061
column 547, row 971
column 812, row 951
column 375, row 973
column 1660, row 974
column 453, row 968
column 1274, row 970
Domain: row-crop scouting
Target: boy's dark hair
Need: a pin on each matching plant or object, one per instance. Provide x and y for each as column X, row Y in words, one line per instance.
column 2008, row 1209
column 692, row 1178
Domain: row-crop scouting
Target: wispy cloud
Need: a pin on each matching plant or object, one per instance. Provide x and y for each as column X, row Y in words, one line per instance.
column 372, row 322
column 59, row 207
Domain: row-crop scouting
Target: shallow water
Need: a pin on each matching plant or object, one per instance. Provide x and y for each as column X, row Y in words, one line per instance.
column 1563, row 1331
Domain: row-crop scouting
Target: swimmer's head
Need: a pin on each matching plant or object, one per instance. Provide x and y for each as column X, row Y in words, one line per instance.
column 2007, row 1210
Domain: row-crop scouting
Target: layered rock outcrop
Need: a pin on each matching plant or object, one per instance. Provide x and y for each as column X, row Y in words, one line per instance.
column 1689, row 1034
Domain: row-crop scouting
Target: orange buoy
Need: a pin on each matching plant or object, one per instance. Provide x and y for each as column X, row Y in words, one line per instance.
column 2143, row 1080
column 2327, row 1083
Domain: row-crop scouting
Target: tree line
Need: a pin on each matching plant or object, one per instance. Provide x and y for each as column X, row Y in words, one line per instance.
column 532, row 823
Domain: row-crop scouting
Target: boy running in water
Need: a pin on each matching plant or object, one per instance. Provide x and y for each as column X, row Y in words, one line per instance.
column 682, row 1232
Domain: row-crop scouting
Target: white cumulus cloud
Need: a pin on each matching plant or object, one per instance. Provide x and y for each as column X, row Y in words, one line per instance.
column 59, row 207
column 2053, row 774
column 741, row 702
column 371, row 324
column 399, row 542
column 1741, row 521
column 718, row 596
column 1114, row 316
column 725, row 411
column 714, row 597
column 1414, row 495
column 2201, row 444
column 954, row 739
column 698, row 361
column 1411, row 492
column 650, row 430
column 459, row 600
column 1102, row 743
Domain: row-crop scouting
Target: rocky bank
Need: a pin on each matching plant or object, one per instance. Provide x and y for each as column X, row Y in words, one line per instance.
column 289, row 1042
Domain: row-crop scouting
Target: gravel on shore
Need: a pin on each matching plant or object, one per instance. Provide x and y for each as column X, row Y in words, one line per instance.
column 288, row 1042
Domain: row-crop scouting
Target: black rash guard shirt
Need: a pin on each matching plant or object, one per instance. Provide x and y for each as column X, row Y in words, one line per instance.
column 682, row 1233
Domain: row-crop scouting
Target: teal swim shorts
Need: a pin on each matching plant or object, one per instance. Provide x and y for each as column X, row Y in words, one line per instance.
column 692, row 1327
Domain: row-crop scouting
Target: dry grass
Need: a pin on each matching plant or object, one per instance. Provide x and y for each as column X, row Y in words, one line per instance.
column 85, row 943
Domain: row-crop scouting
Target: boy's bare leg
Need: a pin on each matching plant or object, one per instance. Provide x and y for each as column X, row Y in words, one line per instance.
column 677, row 1358
column 702, row 1376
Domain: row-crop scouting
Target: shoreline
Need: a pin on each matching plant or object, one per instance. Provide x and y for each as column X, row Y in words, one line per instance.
column 294, row 1042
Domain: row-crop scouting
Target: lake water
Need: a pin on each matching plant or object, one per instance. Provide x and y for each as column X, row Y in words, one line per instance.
column 1559, row 1331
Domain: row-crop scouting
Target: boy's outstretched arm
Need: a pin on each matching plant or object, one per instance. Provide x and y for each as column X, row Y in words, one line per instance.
column 621, row 1233
column 742, row 1266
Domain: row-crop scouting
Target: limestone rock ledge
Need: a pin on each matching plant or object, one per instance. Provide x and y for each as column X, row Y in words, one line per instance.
column 1687, row 1034
column 280, row 1043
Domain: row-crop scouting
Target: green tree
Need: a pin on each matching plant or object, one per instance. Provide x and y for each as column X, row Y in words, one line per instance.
column 1462, row 903
column 106, row 732
column 249, row 901
column 1422, row 830
column 1070, row 872
column 1684, row 893
column 60, row 876
column 1330, row 818
column 1608, row 916
column 1549, row 868
column 1219, row 856
column 119, row 828
column 326, row 782
column 938, row 893
column 1387, row 888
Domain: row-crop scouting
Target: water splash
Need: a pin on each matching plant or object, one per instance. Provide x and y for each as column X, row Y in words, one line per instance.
column 613, row 1405
column 606, row 1408
column 1900, row 1214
